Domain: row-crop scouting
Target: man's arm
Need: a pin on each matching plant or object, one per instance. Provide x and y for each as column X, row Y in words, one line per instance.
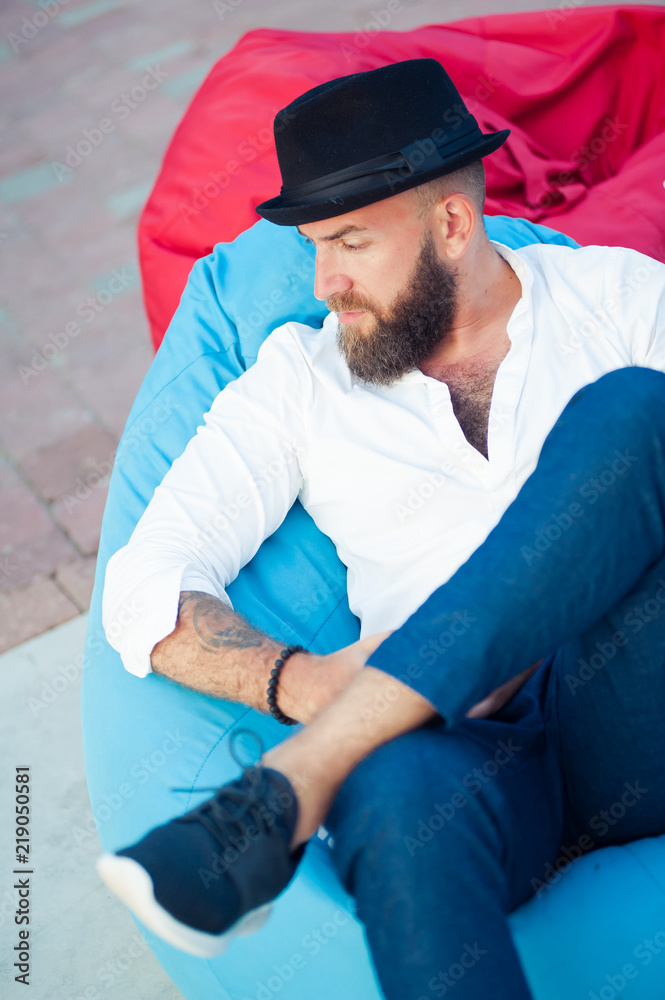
column 214, row 650
column 222, row 497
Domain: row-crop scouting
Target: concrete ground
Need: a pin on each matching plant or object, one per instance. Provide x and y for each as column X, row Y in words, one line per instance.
column 74, row 347
column 84, row 945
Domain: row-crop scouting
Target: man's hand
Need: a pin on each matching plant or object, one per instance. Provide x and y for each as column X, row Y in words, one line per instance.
column 310, row 682
column 317, row 680
column 214, row 650
column 502, row 695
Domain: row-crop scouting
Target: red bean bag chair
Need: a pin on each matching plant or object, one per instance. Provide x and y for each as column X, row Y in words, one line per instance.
column 582, row 90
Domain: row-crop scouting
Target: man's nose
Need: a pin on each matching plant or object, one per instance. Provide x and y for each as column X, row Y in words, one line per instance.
column 328, row 278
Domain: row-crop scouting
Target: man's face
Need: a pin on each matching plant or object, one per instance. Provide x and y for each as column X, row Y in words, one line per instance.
column 378, row 268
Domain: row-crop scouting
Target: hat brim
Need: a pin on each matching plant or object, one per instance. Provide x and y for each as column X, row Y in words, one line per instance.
column 284, row 211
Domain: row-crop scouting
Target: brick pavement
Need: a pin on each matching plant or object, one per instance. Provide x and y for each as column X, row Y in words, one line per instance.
column 73, row 338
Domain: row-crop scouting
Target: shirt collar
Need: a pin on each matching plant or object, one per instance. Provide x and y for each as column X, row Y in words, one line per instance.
column 525, row 274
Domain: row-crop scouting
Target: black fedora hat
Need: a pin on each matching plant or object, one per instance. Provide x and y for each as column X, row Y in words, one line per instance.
column 365, row 137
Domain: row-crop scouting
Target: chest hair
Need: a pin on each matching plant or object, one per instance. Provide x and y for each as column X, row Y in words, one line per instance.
column 471, row 384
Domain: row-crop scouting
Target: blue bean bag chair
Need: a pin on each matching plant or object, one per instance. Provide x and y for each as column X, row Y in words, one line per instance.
column 153, row 749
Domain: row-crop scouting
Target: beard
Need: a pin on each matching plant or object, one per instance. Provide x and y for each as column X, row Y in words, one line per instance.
column 402, row 337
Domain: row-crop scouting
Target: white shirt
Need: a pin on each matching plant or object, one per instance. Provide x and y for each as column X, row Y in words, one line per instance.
column 385, row 472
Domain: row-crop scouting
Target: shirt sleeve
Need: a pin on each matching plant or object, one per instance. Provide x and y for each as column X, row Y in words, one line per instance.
column 638, row 291
column 230, row 489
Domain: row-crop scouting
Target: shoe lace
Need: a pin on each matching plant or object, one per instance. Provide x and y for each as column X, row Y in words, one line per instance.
column 240, row 804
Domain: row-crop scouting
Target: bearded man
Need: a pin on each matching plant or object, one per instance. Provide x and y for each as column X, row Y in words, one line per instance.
column 462, row 740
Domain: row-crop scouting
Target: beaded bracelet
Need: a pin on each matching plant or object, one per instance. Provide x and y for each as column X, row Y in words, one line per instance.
column 273, row 683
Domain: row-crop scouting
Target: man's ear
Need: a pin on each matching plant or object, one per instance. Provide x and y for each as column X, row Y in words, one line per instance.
column 455, row 221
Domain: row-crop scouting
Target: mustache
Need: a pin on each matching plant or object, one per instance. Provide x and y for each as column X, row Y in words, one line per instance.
column 349, row 302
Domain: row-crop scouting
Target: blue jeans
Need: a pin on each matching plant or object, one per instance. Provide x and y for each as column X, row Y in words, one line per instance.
column 442, row 832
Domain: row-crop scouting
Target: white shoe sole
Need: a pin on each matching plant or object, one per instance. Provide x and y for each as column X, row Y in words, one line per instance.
column 132, row 884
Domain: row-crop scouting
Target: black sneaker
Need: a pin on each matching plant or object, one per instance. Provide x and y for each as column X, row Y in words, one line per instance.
column 211, row 874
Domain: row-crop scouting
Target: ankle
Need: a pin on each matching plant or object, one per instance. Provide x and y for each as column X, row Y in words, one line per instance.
column 314, row 785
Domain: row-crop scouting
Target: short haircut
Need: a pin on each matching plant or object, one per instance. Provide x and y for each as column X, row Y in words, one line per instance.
column 470, row 180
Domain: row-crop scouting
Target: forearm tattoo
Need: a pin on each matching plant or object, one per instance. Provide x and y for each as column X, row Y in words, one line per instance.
column 218, row 626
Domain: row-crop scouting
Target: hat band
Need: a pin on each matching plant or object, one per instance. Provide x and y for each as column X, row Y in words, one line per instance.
column 420, row 156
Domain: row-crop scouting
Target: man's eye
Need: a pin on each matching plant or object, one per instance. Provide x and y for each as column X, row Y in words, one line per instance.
column 353, row 246
column 308, row 241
